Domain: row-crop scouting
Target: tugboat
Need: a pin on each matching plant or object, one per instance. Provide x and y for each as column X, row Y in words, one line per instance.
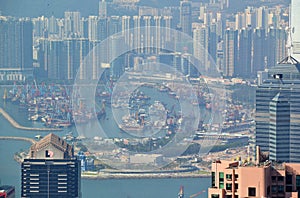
column 181, row 193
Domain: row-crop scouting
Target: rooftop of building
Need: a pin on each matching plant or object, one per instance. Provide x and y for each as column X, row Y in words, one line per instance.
column 287, row 65
column 54, row 140
column 265, row 164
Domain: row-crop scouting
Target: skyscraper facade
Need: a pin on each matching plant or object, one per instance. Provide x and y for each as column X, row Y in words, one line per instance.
column 73, row 27
column 51, row 171
column 295, row 25
column 186, row 17
column 243, row 68
column 259, row 50
column 16, row 43
column 61, row 59
column 200, row 43
column 277, row 111
column 230, row 52
column 102, row 9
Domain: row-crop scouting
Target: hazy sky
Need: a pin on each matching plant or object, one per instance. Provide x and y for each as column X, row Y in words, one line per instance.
column 33, row 8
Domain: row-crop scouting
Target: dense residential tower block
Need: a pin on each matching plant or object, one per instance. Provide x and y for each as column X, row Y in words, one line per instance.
column 186, row 16
column 51, row 171
column 16, row 48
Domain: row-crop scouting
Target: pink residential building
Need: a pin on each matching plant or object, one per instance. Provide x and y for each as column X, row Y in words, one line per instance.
column 234, row 179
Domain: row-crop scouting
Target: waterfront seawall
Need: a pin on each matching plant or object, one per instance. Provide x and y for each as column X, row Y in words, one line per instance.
column 18, row 126
column 32, row 141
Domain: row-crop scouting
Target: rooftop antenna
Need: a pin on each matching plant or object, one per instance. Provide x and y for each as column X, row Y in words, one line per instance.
column 289, row 44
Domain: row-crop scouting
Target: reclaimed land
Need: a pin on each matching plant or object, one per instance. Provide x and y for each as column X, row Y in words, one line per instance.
column 141, row 175
column 18, row 126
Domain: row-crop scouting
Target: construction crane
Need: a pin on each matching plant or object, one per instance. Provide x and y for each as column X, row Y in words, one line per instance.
column 197, row 194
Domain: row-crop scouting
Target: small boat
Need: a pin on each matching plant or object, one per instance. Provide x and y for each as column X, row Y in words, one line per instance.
column 34, row 117
column 5, row 94
column 181, row 193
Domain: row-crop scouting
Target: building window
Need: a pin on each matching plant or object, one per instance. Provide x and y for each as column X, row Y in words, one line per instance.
column 274, row 189
column 236, row 176
column 289, row 188
column 228, row 186
column 273, row 178
column 221, row 180
column 289, row 179
column 251, row 192
column 228, row 176
column 280, row 178
column 298, row 182
column 280, row 189
column 236, row 196
column 215, row 196
column 213, row 179
column 236, row 186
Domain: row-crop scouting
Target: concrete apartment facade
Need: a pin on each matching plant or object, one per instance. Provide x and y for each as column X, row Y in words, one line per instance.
column 234, row 179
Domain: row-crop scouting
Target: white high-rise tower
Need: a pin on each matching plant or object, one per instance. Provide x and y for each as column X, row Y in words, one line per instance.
column 295, row 26
column 102, row 9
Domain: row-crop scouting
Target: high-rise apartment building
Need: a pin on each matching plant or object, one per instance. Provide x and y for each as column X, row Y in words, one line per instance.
column 186, row 16
column 126, row 25
column 73, row 25
column 93, row 28
column 259, row 45
column 243, row 67
column 137, row 33
column 16, row 57
column 102, row 9
column 200, row 44
column 230, row 52
column 295, row 26
column 61, row 59
column 276, row 42
column 114, row 25
column 51, row 171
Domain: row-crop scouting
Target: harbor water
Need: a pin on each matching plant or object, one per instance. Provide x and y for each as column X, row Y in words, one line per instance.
column 10, row 170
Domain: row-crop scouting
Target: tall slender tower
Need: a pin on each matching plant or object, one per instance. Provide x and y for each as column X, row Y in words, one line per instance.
column 137, row 33
column 295, row 25
column 200, row 44
column 186, row 16
column 102, row 9
column 230, row 52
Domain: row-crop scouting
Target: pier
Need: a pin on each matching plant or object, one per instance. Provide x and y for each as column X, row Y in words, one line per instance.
column 32, row 141
column 18, row 126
